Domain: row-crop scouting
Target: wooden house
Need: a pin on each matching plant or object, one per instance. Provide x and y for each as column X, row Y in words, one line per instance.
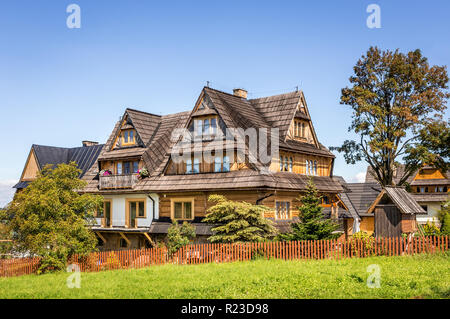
column 138, row 210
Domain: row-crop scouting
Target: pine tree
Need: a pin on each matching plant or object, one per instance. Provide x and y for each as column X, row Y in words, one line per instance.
column 237, row 221
column 313, row 225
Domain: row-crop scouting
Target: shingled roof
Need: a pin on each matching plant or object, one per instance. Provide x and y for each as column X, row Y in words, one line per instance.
column 234, row 112
column 85, row 157
column 401, row 198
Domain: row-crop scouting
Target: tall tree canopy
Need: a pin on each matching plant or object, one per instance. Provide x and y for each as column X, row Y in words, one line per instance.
column 50, row 219
column 238, row 221
column 398, row 102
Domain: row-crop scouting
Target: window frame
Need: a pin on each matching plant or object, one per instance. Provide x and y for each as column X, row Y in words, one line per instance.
column 128, row 202
column 287, row 206
column 131, row 138
column 182, row 201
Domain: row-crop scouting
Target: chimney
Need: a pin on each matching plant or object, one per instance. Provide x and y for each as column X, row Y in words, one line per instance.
column 240, row 92
column 89, row 143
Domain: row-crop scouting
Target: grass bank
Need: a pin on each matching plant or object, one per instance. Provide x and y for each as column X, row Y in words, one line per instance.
column 424, row 276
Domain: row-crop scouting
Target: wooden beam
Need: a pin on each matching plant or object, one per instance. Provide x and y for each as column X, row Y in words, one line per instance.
column 149, row 239
column 101, row 237
column 125, row 237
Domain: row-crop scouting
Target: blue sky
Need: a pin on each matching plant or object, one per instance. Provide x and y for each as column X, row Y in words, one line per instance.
column 59, row 86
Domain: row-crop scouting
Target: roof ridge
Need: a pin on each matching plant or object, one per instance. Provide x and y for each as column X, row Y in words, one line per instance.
column 148, row 113
column 265, row 97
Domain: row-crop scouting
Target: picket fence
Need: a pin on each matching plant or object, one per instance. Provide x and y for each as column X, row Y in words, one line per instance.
column 219, row 253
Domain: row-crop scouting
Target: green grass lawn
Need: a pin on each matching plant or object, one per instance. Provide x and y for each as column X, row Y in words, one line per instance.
column 423, row 276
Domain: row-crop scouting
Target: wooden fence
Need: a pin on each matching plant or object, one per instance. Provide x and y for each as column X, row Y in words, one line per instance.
column 219, row 253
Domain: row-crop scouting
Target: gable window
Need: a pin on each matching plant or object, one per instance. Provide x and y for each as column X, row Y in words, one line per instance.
column 226, row 164
column 182, row 209
column 217, row 164
column 128, row 137
column 282, row 210
column 206, row 127
column 299, row 129
column 189, row 166
column 196, row 168
column 213, row 126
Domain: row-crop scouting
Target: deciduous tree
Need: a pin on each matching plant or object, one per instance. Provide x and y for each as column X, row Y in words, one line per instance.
column 398, row 101
column 51, row 219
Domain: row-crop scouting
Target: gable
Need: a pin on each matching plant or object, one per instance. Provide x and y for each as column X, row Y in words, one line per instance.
column 31, row 168
column 429, row 173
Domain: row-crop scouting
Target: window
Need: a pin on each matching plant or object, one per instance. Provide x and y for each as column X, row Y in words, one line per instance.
column 310, row 167
column 213, row 126
column 282, row 210
column 199, row 127
column 183, row 209
column 226, row 164
column 119, row 168
column 281, row 163
column 217, row 164
column 425, row 207
column 206, row 127
column 135, row 209
column 299, row 129
column 196, row 169
column 128, row 137
column 307, row 168
column 189, row 166
column 126, row 168
column 135, row 167
column 105, row 213
column 325, row 200
column 123, row 243
column 315, row 167
column 441, row 189
column 291, row 164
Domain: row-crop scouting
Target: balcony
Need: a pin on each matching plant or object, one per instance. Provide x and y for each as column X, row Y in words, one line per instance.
column 117, row 181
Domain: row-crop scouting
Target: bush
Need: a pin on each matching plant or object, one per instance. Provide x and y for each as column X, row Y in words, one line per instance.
column 179, row 236
column 368, row 243
column 430, row 229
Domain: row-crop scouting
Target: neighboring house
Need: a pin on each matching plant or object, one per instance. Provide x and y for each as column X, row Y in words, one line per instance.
column 429, row 187
column 41, row 155
column 138, row 210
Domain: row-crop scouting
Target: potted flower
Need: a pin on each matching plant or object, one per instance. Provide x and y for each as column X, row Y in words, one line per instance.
column 105, row 172
column 142, row 173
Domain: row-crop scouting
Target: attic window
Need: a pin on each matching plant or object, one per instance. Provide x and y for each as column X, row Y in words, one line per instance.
column 128, row 137
column 299, row 129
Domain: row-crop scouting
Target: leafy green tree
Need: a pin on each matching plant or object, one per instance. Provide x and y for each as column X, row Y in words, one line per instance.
column 51, row 220
column 398, row 102
column 5, row 236
column 179, row 236
column 444, row 218
column 312, row 225
column 237, row 221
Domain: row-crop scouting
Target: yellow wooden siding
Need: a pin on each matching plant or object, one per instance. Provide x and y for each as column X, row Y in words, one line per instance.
column 367, row 224
column 31, row 168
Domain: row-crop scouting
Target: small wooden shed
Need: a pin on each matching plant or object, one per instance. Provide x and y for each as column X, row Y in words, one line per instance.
column 395, row 212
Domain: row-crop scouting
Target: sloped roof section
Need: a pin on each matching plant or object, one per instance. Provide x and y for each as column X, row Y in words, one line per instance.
column 401, row 198
column 85, row 157
column 145, row 124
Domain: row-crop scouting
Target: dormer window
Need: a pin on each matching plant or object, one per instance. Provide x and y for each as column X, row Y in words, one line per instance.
column 204, row 127
column 128, row 137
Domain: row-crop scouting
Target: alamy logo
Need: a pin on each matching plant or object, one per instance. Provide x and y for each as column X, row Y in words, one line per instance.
column 374, row 279
column 374, row 19
column 74, row 19
column 74, row 280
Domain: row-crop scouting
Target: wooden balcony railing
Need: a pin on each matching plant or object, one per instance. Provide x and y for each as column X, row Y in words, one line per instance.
column 117, row 181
